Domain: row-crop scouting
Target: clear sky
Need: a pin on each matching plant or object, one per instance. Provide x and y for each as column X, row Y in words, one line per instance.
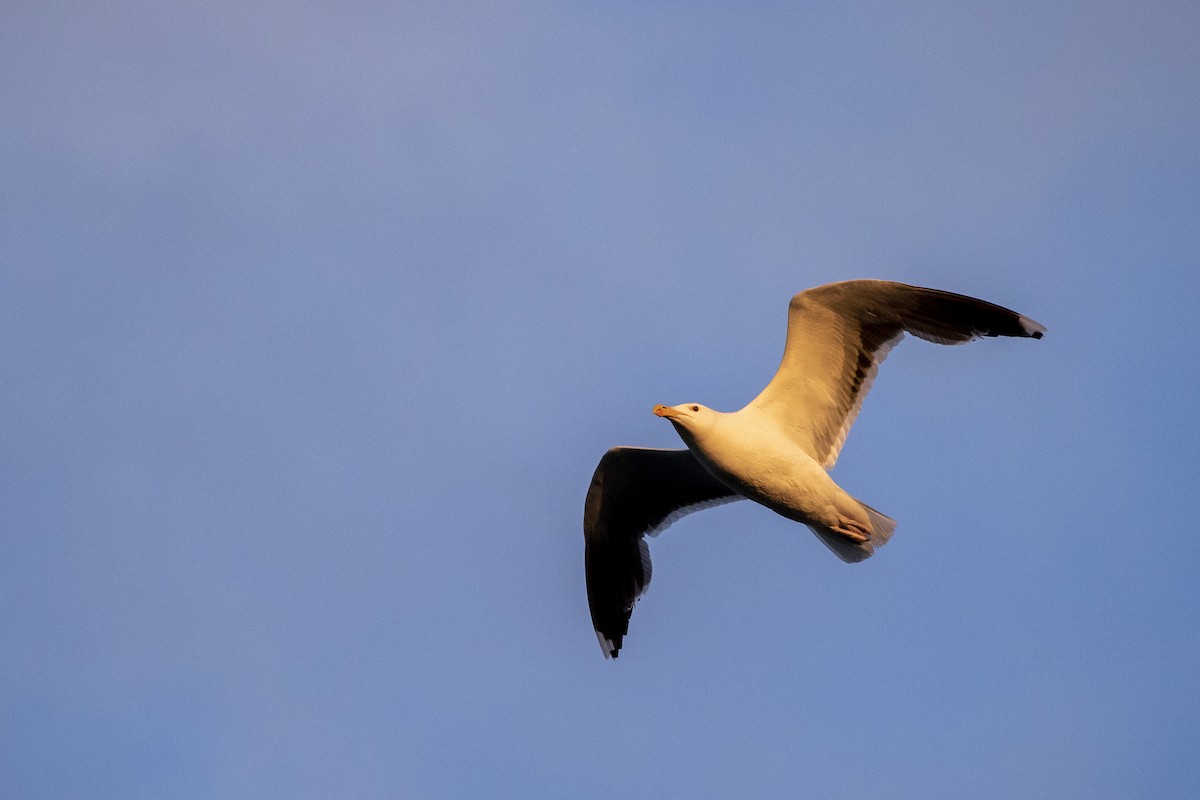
column 315, row 319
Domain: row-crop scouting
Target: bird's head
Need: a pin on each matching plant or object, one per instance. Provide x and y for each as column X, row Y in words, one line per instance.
column 690, row 419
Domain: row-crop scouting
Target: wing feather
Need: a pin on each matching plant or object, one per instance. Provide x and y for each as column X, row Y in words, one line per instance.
column 635, row 492
column 839, row 334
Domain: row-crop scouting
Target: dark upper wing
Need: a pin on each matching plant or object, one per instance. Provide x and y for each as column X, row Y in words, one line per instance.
column 635, row 491
column 839, row 334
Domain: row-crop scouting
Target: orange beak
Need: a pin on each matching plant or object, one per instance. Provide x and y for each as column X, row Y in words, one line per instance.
column 665, row 411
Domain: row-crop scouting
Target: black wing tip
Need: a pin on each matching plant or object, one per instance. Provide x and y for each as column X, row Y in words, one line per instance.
column 610, row 646
column 1031, row 329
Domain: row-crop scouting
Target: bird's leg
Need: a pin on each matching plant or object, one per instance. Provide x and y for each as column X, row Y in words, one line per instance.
column 853, row 530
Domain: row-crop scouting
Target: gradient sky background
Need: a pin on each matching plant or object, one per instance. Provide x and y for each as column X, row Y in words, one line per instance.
column 315, row 319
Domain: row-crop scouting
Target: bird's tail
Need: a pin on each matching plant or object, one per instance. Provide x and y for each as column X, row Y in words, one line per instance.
column 851, row 551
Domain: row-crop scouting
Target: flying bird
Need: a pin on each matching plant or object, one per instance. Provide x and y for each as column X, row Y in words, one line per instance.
column 776, row 451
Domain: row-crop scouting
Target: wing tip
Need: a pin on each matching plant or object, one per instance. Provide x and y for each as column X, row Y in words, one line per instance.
column 1034, row 330
column 607, row 647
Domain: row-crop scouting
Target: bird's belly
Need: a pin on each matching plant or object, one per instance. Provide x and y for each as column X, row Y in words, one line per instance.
column 787, row 481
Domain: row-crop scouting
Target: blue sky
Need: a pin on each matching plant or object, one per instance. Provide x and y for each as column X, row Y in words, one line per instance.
column 316, row 318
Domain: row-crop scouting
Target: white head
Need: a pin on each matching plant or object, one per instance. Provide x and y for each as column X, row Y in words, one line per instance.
column 692, row 420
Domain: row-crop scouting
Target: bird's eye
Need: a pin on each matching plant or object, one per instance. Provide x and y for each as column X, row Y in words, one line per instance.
column 695, row 408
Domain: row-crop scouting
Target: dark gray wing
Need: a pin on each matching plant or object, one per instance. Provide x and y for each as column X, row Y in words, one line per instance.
column 635, row 492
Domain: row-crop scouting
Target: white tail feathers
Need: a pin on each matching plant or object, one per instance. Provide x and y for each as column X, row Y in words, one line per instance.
column 851, row 551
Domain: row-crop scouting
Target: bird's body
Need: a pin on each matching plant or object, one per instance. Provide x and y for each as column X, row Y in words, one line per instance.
column 776, row 451
column 752, row 454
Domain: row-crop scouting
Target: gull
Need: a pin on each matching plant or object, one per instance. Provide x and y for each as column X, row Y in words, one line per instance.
column 778, row 449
